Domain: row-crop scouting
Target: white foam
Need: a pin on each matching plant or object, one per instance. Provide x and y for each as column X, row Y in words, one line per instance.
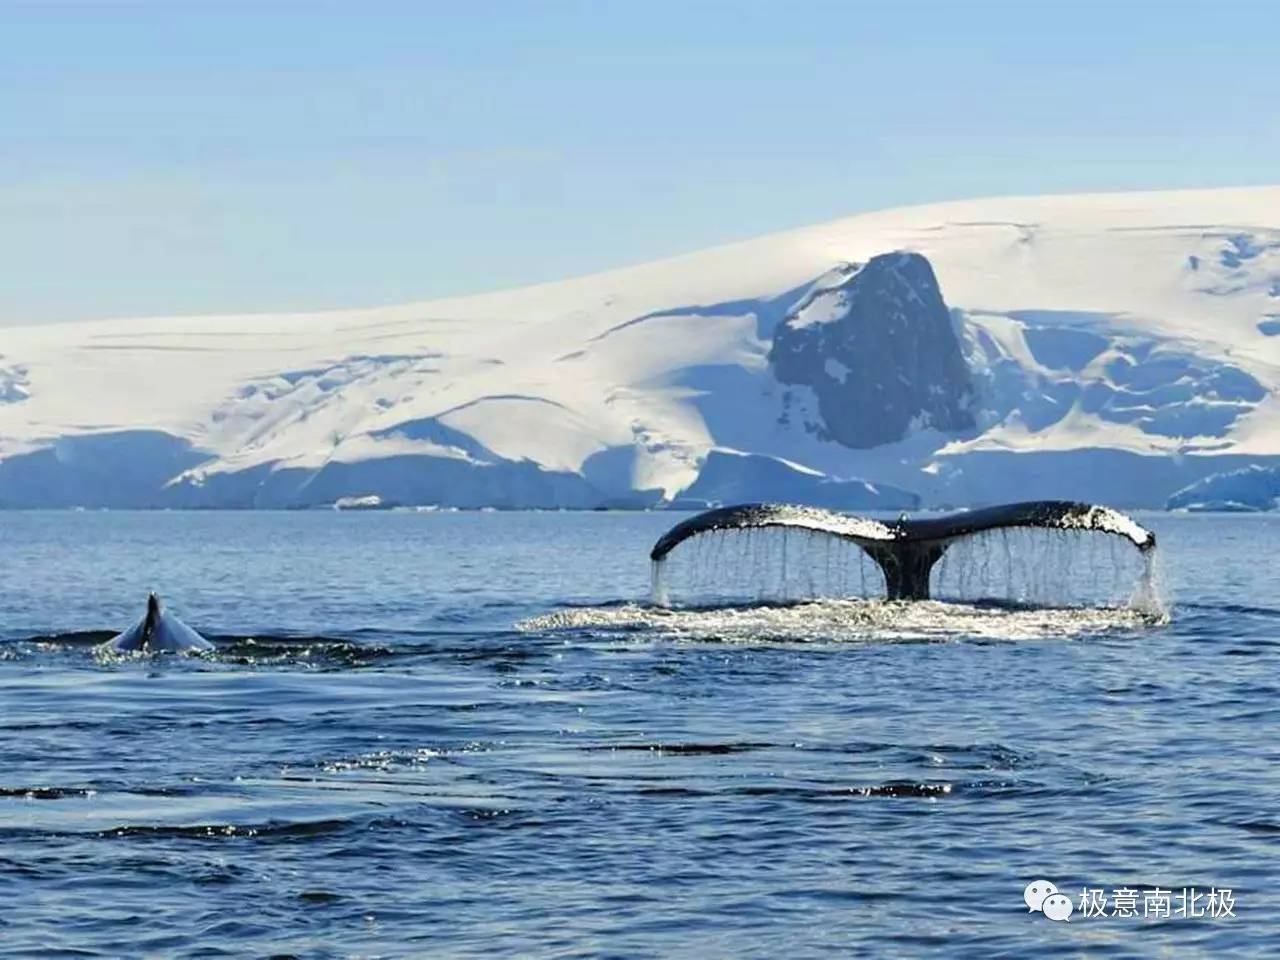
column 848, row 621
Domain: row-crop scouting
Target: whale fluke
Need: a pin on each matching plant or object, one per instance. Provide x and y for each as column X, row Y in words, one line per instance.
column 157, row 632
column 906, row 549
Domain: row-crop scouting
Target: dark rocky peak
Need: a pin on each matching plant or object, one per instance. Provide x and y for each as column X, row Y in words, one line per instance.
column 876, row 345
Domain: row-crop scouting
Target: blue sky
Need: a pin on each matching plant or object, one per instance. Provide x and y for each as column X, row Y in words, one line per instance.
column 188, row 157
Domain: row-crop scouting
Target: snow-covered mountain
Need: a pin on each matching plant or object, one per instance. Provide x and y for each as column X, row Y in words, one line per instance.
column 1114, row 347
column 1249, row 489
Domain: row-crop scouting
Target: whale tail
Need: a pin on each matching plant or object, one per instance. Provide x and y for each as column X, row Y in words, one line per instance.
column 906, row 550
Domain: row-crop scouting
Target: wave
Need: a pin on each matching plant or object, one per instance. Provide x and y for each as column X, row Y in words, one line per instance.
column 1234, row 608
column 308, row 651
column 48, row 793
column 290, row 830
column 897, row 789
column 681, row 749
column 364, row 648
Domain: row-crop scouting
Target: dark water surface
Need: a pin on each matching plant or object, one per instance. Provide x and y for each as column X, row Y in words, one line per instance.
column 466, row 734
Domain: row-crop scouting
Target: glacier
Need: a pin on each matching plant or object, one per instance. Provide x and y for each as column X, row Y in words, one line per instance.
column 1247, row 490
column 1107, row 347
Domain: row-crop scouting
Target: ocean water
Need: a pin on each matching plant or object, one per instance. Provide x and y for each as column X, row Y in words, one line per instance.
column 436, row 734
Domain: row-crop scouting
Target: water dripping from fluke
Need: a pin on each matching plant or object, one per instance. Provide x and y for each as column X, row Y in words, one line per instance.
column 1050, row 554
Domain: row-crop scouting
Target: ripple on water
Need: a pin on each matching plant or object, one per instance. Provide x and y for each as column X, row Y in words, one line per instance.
column 602, row 779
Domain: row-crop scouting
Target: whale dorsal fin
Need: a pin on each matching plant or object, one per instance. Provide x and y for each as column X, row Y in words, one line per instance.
column 152, row 621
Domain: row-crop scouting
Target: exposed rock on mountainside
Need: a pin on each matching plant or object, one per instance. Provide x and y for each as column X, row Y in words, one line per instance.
column 879, row 351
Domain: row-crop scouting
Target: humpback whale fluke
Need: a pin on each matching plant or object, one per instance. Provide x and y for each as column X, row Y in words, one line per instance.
column 157, row 632
column 905, row 549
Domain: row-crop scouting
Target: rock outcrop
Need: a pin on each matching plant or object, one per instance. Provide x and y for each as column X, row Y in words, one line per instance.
column 878, row 350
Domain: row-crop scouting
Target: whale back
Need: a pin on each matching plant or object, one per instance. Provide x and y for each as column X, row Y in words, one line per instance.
column 157, row 632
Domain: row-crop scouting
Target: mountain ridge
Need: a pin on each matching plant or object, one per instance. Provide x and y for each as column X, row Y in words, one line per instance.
column 1123, row 347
